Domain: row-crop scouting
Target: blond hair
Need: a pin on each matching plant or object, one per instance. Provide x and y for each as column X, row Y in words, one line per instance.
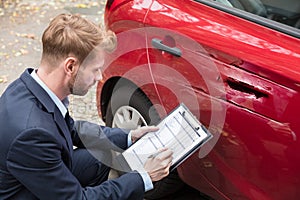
column 72, row 34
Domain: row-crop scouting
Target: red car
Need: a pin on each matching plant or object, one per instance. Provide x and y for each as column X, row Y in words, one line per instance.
column 236, row 65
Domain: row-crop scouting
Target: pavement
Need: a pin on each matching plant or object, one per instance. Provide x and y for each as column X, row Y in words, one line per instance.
column 22, row 23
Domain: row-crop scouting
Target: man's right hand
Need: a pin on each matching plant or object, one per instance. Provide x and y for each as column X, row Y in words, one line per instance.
column 158, row 166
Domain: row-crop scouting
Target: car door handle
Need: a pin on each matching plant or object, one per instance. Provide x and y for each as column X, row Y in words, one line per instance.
column 157, row 43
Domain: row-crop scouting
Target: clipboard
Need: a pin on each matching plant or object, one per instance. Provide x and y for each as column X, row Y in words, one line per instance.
column 180, row 131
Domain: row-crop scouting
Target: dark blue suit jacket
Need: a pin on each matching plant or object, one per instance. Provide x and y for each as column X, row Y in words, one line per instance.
column 36, row 150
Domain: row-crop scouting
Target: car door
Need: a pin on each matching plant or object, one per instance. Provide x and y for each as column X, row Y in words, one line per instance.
column 239, row 74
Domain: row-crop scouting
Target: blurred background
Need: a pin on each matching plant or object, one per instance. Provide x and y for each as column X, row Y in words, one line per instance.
column 22, row 23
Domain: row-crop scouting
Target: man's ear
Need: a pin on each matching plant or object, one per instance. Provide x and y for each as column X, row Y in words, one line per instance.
column 71, row 65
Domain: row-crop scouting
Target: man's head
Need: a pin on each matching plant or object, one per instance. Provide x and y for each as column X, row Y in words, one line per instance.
column 73, row 35
column 67, row 42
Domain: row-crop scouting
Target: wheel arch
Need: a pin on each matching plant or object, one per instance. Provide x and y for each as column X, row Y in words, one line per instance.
column 105, row 91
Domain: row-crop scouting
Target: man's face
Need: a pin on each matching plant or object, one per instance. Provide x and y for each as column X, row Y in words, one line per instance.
column 87, row 75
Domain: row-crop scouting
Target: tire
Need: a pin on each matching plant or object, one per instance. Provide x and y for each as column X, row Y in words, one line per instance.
column 129, row 108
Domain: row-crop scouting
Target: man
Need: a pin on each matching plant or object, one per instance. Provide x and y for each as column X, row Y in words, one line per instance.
column 37, row 135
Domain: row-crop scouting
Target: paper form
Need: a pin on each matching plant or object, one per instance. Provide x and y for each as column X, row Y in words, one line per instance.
column 180, row 131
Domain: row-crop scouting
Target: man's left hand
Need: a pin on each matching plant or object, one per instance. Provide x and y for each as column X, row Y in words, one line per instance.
column 139, row 132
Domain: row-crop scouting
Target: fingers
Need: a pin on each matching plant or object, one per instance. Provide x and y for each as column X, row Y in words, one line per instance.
column 162, row 154
column 165, row 157
column 165, row 154
column 146, row 129
column 159, row 164
column 159, row 173
column 138, row 133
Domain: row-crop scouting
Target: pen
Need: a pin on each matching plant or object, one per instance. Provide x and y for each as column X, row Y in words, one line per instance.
column 154, row 154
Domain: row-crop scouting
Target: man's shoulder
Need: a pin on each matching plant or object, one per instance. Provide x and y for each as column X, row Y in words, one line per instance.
column 20, row 108
column 20, row 111
column 23, row 113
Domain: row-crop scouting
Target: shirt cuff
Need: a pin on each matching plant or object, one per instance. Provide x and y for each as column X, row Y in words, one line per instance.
column 147, row 180
column 129, row 141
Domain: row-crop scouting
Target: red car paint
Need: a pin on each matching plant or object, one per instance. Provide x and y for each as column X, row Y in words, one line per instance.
column 247, row 91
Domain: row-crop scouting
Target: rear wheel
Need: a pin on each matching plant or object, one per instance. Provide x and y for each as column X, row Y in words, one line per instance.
column 129, row 108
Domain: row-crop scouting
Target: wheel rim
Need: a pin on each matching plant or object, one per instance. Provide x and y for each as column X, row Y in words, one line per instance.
column 128, row 117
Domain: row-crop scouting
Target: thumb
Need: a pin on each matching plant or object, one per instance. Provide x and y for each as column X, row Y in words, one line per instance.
column 149, row 129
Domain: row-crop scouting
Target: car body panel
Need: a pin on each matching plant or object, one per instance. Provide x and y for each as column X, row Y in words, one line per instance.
column 131, row 44
column 240, row 78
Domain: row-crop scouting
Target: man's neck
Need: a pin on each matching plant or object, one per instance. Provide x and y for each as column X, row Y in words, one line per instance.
column 53, row 81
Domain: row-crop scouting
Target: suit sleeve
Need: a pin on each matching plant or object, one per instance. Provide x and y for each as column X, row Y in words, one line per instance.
column 35, row 159
column 83, row 132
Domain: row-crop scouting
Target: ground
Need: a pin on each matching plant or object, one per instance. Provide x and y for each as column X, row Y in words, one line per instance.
column 22, row 24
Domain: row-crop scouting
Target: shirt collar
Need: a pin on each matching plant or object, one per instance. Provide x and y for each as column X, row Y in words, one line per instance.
column 62, row 105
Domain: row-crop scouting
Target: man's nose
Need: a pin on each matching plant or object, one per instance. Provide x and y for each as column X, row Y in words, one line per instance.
column 98, row 76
